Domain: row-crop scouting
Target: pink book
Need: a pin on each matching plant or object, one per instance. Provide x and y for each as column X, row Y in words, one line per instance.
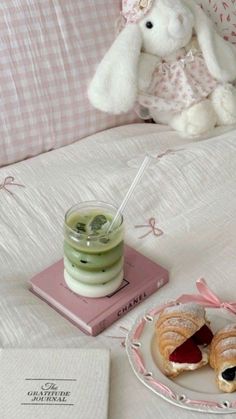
column 142, row 277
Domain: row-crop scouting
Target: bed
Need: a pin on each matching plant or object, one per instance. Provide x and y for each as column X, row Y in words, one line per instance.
column 190, row 192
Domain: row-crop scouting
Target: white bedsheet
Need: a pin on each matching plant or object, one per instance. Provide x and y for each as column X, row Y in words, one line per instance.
column 190, row 193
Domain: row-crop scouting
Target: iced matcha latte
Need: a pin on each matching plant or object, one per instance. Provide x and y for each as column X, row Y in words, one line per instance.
column 93, row 256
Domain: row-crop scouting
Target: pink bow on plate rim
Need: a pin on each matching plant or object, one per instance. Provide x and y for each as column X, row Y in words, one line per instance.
column 207, row 298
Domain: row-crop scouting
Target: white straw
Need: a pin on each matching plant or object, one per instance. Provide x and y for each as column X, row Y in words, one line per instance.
column 133, row 185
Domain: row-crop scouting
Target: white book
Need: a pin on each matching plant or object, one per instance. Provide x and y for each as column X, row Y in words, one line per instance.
column 54, row 383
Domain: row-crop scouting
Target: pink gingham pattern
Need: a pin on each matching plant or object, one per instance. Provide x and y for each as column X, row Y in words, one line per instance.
column 49, row 53
column 223, row 14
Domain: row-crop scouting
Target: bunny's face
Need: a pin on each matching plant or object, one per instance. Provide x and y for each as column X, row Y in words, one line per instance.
column 166, row 29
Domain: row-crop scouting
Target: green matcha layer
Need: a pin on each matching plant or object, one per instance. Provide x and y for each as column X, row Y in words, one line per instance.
column 101, row 276
column 93, row 261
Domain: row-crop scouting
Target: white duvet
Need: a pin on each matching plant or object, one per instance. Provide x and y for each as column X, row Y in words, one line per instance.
column 190, row 193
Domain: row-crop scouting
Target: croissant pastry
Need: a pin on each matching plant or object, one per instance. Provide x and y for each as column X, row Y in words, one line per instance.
column 223, row 358
column 181, row 332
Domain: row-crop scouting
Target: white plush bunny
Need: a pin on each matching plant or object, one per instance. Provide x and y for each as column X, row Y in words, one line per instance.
column 170, row 60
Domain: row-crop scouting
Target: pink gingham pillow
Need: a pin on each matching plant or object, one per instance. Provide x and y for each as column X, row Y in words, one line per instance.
column 49, row 52
column 223, row 14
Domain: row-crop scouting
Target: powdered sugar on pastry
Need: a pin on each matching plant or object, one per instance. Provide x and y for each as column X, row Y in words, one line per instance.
column 227, row 342
column 171, row 335
column 223, row 357
column 175, row 328
column 175, row 321
column 192, row 308
column 229, row 354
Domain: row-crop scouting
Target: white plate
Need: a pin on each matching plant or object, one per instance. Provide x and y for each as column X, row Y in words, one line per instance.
column 195, row 390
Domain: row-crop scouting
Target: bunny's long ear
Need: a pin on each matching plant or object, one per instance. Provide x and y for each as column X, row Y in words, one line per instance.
column 114, row 86
column 220, row 55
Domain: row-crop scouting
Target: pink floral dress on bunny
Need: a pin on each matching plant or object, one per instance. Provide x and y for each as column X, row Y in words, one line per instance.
column 178, row 82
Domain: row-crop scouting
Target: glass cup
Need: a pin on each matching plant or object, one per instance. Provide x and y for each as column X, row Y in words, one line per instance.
column 93, row 257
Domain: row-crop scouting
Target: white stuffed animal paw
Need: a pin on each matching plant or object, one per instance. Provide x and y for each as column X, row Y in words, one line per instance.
column 224, row 102
column 195, row 120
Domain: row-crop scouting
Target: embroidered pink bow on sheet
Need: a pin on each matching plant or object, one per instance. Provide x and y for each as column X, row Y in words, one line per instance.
column 9, row 181
column 152, row 222
column 207, row 298
column 153, row 229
